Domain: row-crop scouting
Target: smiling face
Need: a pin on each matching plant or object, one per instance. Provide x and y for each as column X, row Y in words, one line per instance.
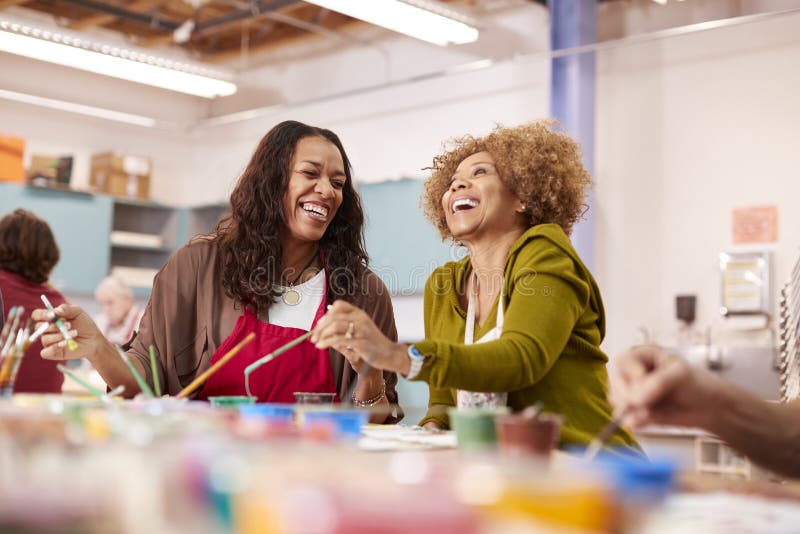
column 478, row 204
column 314, row 192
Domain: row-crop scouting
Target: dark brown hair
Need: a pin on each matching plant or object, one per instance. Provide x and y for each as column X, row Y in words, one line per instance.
column 27, row 246
column 541, row 166
column 248, row 238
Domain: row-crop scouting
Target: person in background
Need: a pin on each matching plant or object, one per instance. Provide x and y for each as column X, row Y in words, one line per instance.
column 661, row 388
column 28, row 254
column 292, row 244
column 520, row 319
column 120, row 314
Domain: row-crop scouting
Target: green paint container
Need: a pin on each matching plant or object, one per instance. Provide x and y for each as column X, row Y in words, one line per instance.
column 231, row 401
column 474, row 427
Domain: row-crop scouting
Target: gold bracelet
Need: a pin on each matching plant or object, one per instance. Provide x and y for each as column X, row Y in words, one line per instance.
column 370, row 402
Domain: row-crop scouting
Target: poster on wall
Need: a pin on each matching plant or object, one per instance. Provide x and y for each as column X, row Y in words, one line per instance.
column 745, row 283
column 755, row 224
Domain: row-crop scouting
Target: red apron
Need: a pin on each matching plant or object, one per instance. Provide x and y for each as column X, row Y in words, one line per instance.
column 302, row 368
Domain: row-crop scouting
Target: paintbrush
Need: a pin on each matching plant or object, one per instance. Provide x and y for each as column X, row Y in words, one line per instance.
column 269, row 357
column 7, row 328
column 13, row 332
column 139, row 380
column 40, row 331
column 599, row 441
column 71, row 344
column 12, row 358
column 197, row 382
column 154, row 371
column 88, row 387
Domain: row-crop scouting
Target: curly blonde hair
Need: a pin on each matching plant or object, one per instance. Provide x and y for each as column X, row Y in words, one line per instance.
column 541, row 166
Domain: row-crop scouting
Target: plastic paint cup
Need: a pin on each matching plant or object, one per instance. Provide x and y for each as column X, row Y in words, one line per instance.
column 267, row 411
column 231, row 401
column 348, row 423
column 475, row 427
column 314, row 398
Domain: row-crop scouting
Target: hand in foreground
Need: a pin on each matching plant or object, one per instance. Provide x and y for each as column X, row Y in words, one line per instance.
column 658, row 387
column 350, row 331
column 81, row 328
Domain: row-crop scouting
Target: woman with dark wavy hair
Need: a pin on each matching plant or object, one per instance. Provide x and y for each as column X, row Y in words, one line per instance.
column 292, row 244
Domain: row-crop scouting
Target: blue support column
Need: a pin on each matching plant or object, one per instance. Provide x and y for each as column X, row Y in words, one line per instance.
column 572, row 94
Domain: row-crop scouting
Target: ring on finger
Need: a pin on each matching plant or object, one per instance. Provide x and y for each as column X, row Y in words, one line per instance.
column 350, row 330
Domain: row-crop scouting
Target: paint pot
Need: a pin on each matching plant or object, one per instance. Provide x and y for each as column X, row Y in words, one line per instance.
column 314, row 398
column 267, row 411
column 231, row 401
column 523, row 435
column 475, row 427
column 347, row 423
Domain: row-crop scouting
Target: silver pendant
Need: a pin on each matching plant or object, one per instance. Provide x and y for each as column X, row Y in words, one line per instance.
column 291, row 297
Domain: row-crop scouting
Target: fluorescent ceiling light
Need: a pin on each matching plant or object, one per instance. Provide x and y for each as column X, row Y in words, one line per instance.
column 62, row 49
column 421, row 19
column 89, row 111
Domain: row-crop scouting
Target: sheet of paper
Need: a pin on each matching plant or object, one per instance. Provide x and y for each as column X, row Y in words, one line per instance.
column 399, row 437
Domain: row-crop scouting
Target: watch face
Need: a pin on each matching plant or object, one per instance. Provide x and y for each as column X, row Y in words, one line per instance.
column 414, row 353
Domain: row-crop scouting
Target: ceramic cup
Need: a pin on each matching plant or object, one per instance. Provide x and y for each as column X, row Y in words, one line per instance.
column 523, row 435
column 475, row 427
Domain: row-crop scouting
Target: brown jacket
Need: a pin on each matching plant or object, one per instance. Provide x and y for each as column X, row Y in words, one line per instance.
column 189, row 316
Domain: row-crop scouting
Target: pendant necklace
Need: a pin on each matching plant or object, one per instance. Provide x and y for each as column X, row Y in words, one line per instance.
column 291, row 296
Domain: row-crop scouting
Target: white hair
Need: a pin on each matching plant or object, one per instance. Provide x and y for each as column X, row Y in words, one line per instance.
column 114, row 284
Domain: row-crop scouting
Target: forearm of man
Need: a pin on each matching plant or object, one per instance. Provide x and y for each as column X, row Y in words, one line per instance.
column 767, row 433
column 113, row 370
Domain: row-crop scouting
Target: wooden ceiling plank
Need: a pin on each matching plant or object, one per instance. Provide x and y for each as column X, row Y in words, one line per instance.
column 274, row 44
column 9, row 3
column 161, row 40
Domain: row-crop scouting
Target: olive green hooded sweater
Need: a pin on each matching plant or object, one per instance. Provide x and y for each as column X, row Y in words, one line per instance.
column 549, row 350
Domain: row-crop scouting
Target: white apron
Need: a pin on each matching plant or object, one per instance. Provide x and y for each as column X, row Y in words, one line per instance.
column 475, row 399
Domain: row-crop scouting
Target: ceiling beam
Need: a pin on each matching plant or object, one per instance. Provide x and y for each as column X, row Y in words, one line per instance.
column 9, row 3
column 101, row 19
column 247, row 12
column 258, row 11
column 143, row 19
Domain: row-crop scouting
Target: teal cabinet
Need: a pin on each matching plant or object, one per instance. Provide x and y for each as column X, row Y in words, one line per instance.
column 81, row 224
column 100, row 234
column 404, row 247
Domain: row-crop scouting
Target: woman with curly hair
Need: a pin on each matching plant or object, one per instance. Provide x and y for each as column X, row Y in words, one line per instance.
column 292, row 244
column 520, row 319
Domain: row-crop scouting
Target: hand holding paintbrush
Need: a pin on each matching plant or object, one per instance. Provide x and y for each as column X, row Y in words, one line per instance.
column 78, row 326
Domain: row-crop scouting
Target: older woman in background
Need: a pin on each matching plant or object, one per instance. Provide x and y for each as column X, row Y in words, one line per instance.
column 520, row 319
column 28, row 254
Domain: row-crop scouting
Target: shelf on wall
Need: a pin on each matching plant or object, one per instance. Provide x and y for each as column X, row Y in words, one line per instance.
column 87, row 228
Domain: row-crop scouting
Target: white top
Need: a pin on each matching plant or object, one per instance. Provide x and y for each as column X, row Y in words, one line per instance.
column 302, row 314
column 471, row 399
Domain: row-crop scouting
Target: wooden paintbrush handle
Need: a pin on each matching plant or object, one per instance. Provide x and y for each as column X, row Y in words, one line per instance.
column 188, row 390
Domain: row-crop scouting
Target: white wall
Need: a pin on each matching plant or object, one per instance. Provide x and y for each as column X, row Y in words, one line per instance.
column 394, row 129
column 52, row 132
column 688, row 129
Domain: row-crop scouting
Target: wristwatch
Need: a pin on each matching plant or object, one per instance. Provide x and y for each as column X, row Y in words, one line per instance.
column 417, row 359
